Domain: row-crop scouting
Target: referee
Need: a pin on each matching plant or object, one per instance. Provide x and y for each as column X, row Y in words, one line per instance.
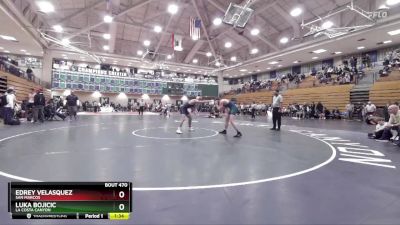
column 276, row 110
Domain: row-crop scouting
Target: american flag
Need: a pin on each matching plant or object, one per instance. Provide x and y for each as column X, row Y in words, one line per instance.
column 194, row 28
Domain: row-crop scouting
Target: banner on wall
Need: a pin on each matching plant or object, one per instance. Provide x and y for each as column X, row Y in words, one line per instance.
column 327, row 63
column 296, row 69
column 373, row 55
column 102, row 72
column 272, row 74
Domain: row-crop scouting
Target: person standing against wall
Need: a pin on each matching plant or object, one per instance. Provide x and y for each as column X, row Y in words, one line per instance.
column 72, row 105
column 276, row 110
column 39, row 102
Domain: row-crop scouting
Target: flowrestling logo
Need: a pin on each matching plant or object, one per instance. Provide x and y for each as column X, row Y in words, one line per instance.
column 378, row 15
column 351, row 151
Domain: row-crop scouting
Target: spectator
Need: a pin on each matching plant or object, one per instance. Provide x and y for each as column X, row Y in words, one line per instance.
column 327, row 113
column 393, row 124
column 8, row 110
column 320, row 111
column 72, row 105
column 380, row 127
column 386, row 112
column 253, row 110
column 336, row 114
column 31, row 97
column 29, row 73
column 312, row 110
column 350, row 110
column 370, row 109
column 363, row 111
column 38, row 106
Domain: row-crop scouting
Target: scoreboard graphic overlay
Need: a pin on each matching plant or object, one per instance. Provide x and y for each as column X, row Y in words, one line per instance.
column 70, row 200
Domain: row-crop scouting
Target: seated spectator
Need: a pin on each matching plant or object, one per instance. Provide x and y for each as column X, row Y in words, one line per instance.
column 320, row 111
column 327, row 114
column 373, row 120
column 370, row 109
column 392, row 128
column 336, row 114
column 379, row 129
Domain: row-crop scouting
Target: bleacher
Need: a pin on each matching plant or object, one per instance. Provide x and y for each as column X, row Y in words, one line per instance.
column 384, row 92
column 393, row 76
column 262, row 96
column 22, row 86
column 309, row 82
column 330, row 96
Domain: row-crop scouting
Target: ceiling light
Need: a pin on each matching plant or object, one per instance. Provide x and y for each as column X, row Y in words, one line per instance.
column 23, row 50
column 64, row 55
column 258, row 70
column 82, row 57
column 169, row 56
column 328, row 24
column 387, row 42
column 108, row 19
column 228, row 44
column 146, row 43
column 139, row 52
column 217, row 63
column 254, row 51
column 45, row 6
column 279, row 65
column 217, row 21
column 284, row 40
column 268, row 68
column 337, row 53
column 315, row 57
column 394, row 32
column 195, row 38
column 254, row 31
column 27, row 53
column 296, row 12
column 1, row 48
column 6, row 51
column 319, row 51
column 8, row 38
column 243, row 70
column 361, row 47
column 65, row 41
column 58, row 28
column 392, row 2
column 107, row 36
column 157, row 29
column 195, row 61
column 106, row 47
column 208, row 54
column 295, row 62
column 273, row 62
column 233, row 58
column 173, row 9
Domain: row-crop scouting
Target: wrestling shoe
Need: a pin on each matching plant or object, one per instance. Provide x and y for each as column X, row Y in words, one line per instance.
column 238, row 135
column 191, row 129
column 223, row 132
column 179, row 131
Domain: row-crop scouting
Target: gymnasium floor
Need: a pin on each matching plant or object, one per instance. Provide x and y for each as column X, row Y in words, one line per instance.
column 311, row 172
